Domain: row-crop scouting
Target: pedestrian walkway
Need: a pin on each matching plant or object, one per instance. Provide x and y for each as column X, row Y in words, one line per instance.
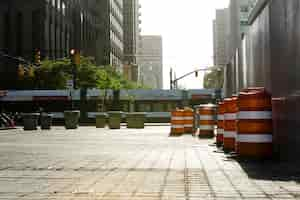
column 90, row 164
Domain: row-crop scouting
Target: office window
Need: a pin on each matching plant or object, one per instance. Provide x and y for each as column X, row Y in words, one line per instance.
column 58, row 4
column 7, row 32
column 19, row 33
column 64, row 8
column 36, row 29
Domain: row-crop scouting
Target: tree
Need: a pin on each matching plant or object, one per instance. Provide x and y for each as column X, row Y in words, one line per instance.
column 214, row 79
column 54, row 75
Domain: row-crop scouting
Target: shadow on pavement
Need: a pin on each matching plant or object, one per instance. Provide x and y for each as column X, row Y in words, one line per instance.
column 271, row 170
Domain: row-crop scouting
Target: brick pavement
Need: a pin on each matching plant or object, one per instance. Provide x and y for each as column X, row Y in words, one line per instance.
column 90, row 164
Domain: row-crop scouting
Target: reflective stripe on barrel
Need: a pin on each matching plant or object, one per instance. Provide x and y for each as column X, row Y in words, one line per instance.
column 207, row 121
column 255, row 137
column 188, row 121
column 177, row 122
column 230, row 126
column 220, row 130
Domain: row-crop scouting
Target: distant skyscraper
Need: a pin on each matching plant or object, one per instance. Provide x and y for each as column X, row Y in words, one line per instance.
column 215, row 42
column 151, row 61
column 131, row 38
column 220, row 37
column 110, row 43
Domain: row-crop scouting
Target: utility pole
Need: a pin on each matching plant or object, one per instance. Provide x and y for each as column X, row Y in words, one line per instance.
column 171, row 79
column 75, row 61
column 175, row 82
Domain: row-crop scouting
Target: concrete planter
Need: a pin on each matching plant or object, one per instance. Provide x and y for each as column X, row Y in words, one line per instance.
column 30, row 121
column 136, row 120
column 71, row 119
column 46, row 121
column 114, row 121
column 101, row 120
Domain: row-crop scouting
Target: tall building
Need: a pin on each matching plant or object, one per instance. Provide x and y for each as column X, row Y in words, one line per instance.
column 52, row 27
column 151, row 61
column 110, row 42
column 131, row 38
column 268, row 55
column 219, row 33
column 238, row 27
column 214, row 42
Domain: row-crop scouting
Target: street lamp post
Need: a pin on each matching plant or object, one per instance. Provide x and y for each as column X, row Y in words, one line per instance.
column 75, row 61
column 171, row 79
column 174, row 82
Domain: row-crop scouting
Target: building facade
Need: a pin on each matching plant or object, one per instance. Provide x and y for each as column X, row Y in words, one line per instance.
column 237, row 23
column 214, row 42
column 110, row 41
column 220, row 37
column 131, row 38
column 52, row 27
column 270, row 59
column 151, row 61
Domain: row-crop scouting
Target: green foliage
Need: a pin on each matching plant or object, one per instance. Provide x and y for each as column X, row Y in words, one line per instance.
column 214, row 79
column 54, row 75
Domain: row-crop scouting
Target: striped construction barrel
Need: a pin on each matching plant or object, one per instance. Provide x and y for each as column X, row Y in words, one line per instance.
column 255, row 138
column 220, row 131
column 188, row 120
column 253, row 89
column 207, row 121
column 230, row 126
column 177, row 123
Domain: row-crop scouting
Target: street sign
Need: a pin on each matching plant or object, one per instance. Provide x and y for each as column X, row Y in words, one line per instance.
column 70, row 84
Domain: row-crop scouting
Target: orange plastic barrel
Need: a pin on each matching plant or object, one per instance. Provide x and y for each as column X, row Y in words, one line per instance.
column 255, row 138
column 230, row 123
column 253, row 89
column 220, row 131
column 207, row 121
column 177, row 123
column 188, row 120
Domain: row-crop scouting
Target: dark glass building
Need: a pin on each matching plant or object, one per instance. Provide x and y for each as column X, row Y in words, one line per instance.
column 52, row 27
column 110, row 43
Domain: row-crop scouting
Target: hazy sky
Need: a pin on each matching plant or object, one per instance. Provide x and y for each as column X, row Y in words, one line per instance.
column 186, row 28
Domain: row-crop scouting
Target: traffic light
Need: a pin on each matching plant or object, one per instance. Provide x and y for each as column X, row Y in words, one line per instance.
column 37, row 57
column 196, row 73
column 75, row 57
column 21, row 71
column 72, row 52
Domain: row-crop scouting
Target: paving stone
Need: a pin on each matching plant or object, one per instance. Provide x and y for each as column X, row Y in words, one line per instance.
column 90, row 163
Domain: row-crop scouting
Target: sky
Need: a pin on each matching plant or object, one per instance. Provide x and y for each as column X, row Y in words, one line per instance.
column 186, row 28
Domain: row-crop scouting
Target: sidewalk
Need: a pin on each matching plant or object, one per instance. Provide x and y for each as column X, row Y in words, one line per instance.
column 91, row 163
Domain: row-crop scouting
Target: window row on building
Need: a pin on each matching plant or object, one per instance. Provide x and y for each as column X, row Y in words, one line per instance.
column 99, row 28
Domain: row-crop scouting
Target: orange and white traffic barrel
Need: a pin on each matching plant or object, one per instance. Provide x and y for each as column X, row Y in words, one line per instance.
column 188, row 120
column 230, row 124
column 253, row 89
column 220, row 130
column 177, row 122
column 255, row 138
column 207, row 121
